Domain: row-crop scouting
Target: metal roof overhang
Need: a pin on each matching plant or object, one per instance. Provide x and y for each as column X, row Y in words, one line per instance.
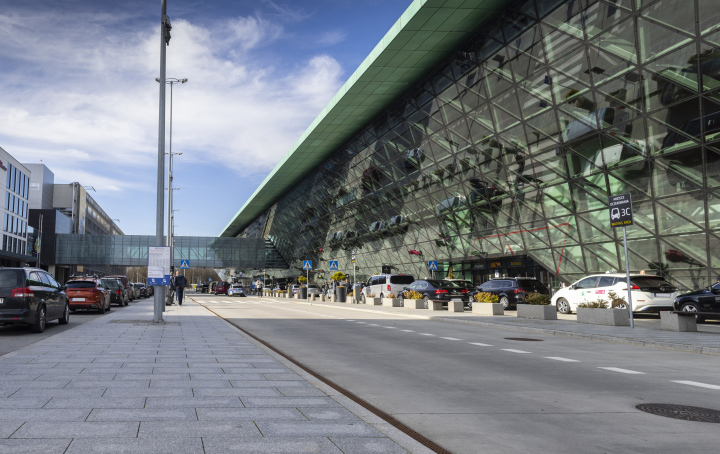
column 427, row 33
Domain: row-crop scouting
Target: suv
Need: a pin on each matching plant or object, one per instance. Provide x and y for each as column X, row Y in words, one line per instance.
column 88, row 293
column 706, row 300
column 236, row 289
column 126, row 285
column 385, row 284
column 649, row 293
column 117, row 291
column 140, row 287
column 221, row 288
column 511, row 290
column 30, row 296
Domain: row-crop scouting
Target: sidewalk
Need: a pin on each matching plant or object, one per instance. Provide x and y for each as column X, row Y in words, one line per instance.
column 193, row 385
column 700, row 342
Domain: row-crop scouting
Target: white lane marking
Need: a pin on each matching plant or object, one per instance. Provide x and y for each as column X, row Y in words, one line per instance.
column 389, row 327
column 451, row 338
column 622, row 371
column 479, row 344
column 349, row 320
column 407, row 331
column 558, row 358
column 360, row 322
column 425, row 334
column 213, row 302
column 373, row 324
column 512, row 350
column 695, row 383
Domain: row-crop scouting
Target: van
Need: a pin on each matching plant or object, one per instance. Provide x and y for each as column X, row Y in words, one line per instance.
column 382, row 285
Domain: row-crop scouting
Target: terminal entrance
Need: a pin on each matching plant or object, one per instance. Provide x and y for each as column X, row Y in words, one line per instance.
column 482, row 270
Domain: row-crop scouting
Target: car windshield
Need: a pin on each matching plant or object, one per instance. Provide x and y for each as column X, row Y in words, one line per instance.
column 11, row 278
column 80, row 284
column 402, row 280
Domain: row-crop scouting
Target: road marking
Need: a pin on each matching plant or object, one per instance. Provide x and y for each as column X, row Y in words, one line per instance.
column 407, row 331
column 451, row 338
column 389, row 327
column 349, row 320
column 373, row 324
column 479, row 344
column 360, row 322
column 567, row 360
column 512, row 350
column 425, row 334
column 622, row 371
column 695, row 383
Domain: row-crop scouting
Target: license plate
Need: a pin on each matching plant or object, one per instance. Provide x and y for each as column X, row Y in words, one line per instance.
column 77, row 299
column 456, row 299
column 663, row 295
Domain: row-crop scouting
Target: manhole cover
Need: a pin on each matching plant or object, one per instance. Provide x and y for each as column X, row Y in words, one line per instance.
column 524, row 339
column 146, row 323
column 685, row 412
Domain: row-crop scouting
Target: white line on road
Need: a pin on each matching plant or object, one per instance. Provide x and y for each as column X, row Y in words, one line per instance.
column 622, row 371
column 451, row 338
column 349, row 320
column 407, row 331
column 512, row 350
column 373, row 324
column 558, row 358
column 389, row 327
column 360, row 322
column 479, row 344
column 425, row 334
column 695, row 383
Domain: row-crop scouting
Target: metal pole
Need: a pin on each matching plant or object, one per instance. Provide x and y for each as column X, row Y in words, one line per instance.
column 170, row 187
column 159, row 298
column 627, row 276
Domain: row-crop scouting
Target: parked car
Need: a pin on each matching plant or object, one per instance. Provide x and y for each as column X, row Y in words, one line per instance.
column 88, row 293
column 118, row 295
column 384, row 284
column 141, row 289
column 436, row 289
column 511, row 291
column 705, row 300
column 313, row 289
column 236, row 290
column 221, row 288
column 126, row 285
column 649, row 293
column 30, row 296
column 150, row 289
column 294, row 289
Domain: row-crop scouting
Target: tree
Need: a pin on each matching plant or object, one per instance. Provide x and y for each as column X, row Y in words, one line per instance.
column 338, row 276
column 302, row 280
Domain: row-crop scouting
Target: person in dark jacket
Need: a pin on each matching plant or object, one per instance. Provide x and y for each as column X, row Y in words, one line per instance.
column 179, row 282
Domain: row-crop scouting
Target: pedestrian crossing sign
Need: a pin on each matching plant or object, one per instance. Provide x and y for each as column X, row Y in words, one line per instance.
column 432, row 265
column 307, row 264
column 333, row 265
column 184, row 264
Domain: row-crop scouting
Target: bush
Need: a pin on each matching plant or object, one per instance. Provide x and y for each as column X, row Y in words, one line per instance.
column 599, row 304
column 486, row 297
column 371, row 295
column 302, row 280
column 537, row 299
column 616, row 300
column 338, row 276
column 412, row 295
column 391, row 295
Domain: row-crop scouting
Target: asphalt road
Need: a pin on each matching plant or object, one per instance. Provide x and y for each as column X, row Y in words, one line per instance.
column 473, row 390
column 15, row 337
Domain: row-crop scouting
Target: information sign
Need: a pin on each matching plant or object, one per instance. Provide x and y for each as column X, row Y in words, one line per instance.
column 620, row 207
column 159, row 265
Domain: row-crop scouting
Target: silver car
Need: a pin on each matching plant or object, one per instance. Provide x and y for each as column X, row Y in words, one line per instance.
column 313, row 289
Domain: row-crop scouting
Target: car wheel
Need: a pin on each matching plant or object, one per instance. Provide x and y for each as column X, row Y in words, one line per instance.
column 505, row 302
column 563, row 306
column 40, row 321
column 692, row 307
column 66, row 316
column 73, row 310
column 101, row 309
column 426, row 302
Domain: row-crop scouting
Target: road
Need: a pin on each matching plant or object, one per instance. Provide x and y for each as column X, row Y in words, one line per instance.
column 15, row 337
column 473, row 389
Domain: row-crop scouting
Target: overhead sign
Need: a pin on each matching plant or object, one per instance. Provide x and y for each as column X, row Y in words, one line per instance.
column 307, row 264
column 333, row 265
column 432, row 265
column 158, row 265
column 184, row 264
column 621, row 214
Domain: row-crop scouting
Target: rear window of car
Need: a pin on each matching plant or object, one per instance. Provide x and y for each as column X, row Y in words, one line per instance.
column 650, row 281
column 312, row 286
column 237, row 286
column 80, row 284
column 531, row 285
column 110, row 283
column 402, row 280
column 12, row 278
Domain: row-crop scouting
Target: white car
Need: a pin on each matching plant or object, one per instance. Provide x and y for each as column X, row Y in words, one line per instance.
column 313, row 289
column 385, row 284
column 649, row 293
column 236, row 290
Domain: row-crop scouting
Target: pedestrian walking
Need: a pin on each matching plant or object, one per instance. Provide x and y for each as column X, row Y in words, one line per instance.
column 258, row 286
column 178, row 283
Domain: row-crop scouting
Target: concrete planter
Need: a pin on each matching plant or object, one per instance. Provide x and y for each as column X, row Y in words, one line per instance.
column 391, row 302
column 373, row 301
column 488, row 309
column 675, row 322
column 414, row 304
column 538, row 312
column 609, row 317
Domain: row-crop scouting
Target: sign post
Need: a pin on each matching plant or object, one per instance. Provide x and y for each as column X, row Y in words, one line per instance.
column 432, row 266
column 307, row 265
column 621, row 215
column 352, row 257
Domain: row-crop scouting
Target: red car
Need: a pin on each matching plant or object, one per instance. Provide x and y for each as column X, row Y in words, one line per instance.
column 222, row 288
column 87, row 293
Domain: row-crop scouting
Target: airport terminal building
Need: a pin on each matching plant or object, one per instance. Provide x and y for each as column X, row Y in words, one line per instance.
column 488, row 135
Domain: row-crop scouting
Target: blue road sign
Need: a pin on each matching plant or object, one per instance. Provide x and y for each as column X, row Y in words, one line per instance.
column 209, row 279
column 333, row 265
column 432, row 265
column 307, row 264
column 184, row 264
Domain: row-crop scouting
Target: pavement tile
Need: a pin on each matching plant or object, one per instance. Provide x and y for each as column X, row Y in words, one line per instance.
column 289, row 402
column 23, row 402
column 8, row 391
column 63, row 376
column 28, row 414
column 144, row 414
column 328, row 414
column 190, row 384
column 136, row 446
column 352, row 445
column 244, row 414
column 313, row 428
column 8, row 427
column 223, row 376
column 50, row 392
column 283, row 376
column 11, row 446
column 193, row 402
column 152, row 376
column 236, row 392
column 82, row 383
column 96, row 402
column 36, row 384
column 269, row 383
column 317, row 445
column 220, row 429
column 149, row 392
column 78, row 430
column 296, row 391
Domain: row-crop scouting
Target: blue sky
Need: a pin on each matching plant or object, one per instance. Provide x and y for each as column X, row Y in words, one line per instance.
column 78, row 93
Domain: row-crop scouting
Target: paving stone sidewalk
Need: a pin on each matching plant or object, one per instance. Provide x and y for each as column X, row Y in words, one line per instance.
column 699, row 342
column 120, row 384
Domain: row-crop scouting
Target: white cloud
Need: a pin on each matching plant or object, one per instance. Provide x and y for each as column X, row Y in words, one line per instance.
column 331, row 38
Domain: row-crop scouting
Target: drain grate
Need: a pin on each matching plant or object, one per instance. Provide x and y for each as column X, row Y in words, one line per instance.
column 524, row 339
column 685, row 412
column 146, row 322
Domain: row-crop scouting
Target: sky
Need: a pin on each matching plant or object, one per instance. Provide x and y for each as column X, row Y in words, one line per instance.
column 78, row 94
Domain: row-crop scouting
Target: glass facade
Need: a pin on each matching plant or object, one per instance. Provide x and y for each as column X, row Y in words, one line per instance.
column 15, row 226
column 503, row 159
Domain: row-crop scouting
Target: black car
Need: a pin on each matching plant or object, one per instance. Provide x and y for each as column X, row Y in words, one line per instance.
column 511, row 291
column 118, row 295
column 436, row 289
column 30, row 296
column 142, row 288
column 705, row 300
